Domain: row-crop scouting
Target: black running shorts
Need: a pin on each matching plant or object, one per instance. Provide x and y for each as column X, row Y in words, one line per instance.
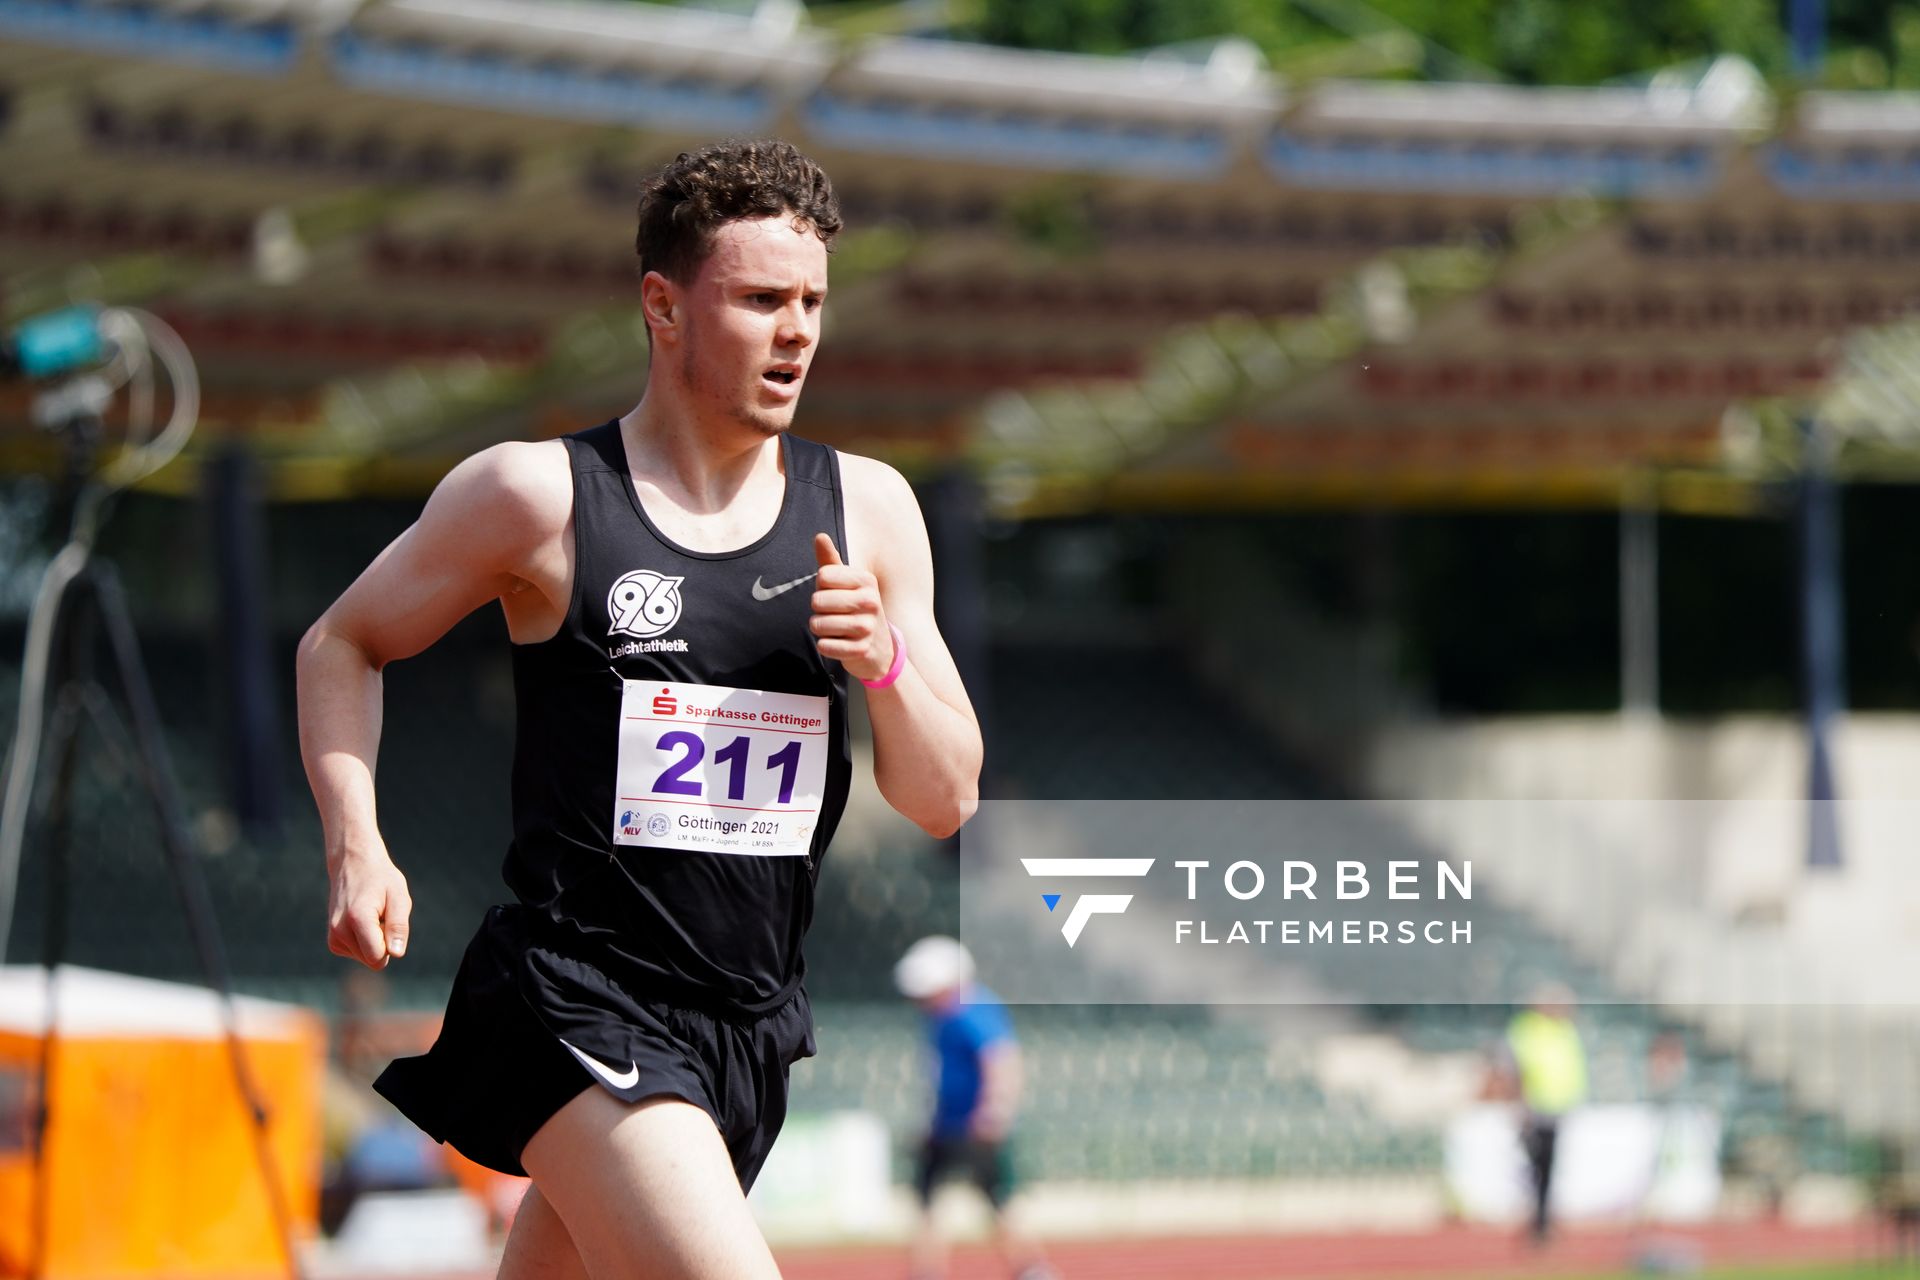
column 985, row 1164
column 527, row 1029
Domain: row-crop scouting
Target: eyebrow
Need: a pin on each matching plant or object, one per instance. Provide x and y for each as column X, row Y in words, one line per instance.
column 748, row 287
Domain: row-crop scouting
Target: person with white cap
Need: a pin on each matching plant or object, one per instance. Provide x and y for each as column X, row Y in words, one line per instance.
column 978, row 1080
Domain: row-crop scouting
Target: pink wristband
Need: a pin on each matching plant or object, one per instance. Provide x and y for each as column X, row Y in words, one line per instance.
column 899, row 661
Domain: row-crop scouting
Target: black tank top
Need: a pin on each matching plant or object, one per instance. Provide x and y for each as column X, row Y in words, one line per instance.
column 693, row 879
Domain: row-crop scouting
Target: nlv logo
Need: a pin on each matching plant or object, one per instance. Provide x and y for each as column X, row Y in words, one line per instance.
column 1087, row 905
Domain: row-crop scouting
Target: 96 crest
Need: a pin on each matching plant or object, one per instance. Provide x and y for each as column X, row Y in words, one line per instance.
column 643, row 603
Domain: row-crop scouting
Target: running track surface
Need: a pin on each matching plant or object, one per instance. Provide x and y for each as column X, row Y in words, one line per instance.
column 1453, row 1252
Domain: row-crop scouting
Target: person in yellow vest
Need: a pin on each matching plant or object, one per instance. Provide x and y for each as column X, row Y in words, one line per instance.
column 1549, row 1068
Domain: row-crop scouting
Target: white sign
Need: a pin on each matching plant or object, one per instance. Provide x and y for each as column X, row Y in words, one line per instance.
column 719, row 770
column 1630, row 1161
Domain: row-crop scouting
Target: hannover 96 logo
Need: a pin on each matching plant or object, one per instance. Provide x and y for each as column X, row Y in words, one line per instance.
column 643, row 603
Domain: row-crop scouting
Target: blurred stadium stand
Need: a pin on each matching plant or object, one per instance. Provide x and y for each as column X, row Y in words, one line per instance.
column 441, row 182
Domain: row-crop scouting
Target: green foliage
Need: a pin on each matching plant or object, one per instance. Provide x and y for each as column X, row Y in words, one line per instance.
column 1569, row 42
column 1104, row 26
column 1871, row 43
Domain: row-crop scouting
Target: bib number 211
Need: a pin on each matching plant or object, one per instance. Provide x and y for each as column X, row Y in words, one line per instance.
column 720, row 770
column 674, row 781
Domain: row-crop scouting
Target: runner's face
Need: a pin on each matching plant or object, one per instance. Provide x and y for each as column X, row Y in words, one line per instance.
column 753, row 321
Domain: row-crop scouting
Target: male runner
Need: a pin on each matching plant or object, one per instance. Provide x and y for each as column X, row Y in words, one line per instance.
column 686, row 589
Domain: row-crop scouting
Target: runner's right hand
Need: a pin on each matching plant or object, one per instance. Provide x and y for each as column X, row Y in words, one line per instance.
column 367, row 908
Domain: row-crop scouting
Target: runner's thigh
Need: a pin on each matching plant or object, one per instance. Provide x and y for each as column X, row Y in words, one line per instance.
column 647, row 1191
column 538, row 1247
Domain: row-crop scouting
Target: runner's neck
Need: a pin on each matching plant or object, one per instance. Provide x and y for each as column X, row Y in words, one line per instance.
column 700, row 471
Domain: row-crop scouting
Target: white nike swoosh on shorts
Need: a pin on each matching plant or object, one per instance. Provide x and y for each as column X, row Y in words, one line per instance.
column 619, row 1080
column 767, row 593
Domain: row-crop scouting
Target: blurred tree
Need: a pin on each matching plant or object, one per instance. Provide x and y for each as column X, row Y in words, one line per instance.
column 1568, row 42
column 1904, row 29
column 1871, row 43
column 1103, row 26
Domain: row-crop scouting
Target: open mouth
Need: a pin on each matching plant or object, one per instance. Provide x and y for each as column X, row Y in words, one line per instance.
column 784, row 376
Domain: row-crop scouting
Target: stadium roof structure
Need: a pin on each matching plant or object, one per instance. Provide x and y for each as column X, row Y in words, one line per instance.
column 394, row 230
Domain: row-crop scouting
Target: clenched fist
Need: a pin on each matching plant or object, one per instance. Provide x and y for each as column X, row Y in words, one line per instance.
column 367, row 908
column 848, row 623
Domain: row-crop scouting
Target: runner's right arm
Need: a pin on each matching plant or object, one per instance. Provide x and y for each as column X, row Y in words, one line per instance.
column 492, row 530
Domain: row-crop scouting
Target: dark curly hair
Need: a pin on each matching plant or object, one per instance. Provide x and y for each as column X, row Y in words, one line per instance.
column 683, row 204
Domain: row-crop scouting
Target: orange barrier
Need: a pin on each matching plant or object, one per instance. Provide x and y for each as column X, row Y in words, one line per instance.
column 151, row 1162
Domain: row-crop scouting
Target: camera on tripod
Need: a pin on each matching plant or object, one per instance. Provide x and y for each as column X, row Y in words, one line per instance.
column 83, row 358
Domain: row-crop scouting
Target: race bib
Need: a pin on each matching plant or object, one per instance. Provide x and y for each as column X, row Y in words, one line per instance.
column 719, row 770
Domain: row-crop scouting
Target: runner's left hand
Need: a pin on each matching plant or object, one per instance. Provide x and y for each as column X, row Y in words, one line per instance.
column 848, row 622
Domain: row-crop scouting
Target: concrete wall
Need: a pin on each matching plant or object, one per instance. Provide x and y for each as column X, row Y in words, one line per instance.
column 1672, row 854
column 1714, row 809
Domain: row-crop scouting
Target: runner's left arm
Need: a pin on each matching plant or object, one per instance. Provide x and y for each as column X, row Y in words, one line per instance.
column 926, row 740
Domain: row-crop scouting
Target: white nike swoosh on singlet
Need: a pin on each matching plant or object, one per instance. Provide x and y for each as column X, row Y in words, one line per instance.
column 767, row 593
column 619, row 1080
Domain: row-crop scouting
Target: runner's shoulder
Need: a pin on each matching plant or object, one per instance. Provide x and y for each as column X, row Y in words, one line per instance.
column 523, row 485
column 878, row 490
column 885, row 530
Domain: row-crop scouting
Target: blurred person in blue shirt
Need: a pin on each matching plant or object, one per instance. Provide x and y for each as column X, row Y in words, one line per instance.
column 976, row 1095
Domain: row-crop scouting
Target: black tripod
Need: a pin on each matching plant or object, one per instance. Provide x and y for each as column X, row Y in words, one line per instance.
column 80, row 604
